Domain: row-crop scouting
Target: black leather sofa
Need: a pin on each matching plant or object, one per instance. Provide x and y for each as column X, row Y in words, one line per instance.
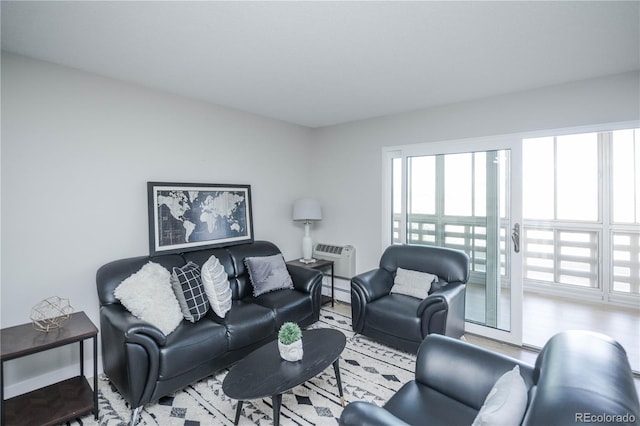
column 144, row 364
column 578, row 377
column 403, row 321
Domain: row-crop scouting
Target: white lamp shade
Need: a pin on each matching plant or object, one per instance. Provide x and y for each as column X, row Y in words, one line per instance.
column 307, row 209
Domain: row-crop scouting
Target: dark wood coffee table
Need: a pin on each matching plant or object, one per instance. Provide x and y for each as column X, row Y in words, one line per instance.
column 264, row 374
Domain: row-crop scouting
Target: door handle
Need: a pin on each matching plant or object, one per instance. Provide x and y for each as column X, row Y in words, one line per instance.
column 515, row 237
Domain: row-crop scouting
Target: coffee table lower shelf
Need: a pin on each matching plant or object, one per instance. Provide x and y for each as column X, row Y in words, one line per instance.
column 51, row 405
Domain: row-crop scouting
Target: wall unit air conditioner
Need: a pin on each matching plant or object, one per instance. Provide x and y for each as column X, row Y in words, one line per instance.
column 344, row 258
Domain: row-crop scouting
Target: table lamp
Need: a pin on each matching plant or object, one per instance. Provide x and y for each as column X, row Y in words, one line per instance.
column 307, row 209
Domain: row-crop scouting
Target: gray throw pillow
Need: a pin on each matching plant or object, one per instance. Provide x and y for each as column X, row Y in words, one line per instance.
column 188, row 288
column 268, row 273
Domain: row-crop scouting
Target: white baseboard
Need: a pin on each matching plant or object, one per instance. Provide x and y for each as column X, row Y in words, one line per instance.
column 342, row 288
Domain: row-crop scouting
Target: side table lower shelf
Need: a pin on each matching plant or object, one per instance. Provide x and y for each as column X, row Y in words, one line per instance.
column 51, row 405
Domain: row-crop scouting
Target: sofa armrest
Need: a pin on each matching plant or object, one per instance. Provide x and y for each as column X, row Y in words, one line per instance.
column 304, row 279
column 364, row 413
column 131, row 326
column 130, row 353
column 443, row 308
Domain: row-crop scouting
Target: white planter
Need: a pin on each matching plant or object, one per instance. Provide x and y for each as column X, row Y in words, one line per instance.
column 292, row 352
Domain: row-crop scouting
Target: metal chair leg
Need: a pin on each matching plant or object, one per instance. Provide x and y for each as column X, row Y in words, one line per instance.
column 135, row 416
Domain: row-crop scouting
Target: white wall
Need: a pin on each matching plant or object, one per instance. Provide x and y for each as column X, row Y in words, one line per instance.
column 77, row 151
column 349, row 176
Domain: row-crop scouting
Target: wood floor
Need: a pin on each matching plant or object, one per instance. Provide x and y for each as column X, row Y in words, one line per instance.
column 544, row 316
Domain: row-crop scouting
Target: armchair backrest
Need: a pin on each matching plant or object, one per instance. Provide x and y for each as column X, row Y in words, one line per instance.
column 463, row 371
column 583, row 377
column 448, row 264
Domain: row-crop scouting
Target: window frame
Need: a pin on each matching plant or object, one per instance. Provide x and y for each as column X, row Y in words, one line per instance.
column 603, row 226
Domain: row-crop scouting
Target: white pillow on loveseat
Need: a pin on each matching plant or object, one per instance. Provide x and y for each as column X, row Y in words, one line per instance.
column 506, row 403
column 148, row 295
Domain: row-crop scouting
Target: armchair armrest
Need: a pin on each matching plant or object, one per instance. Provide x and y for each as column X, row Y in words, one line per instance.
column 366, row 288
column 442, row 312
column 373, row 284
column 304, row 279
column 364, row 413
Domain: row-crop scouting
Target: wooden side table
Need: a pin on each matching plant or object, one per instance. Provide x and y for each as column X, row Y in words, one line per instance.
column 320, row 265
column 61, row 401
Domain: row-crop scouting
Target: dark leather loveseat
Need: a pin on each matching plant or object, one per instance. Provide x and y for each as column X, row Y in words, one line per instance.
column 579, row 377
column 403, row 321
column 144, row 364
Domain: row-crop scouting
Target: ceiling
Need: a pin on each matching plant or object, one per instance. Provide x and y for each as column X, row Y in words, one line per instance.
column 324, row 63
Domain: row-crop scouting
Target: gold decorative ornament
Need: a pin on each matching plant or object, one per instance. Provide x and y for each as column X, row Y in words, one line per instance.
column 50, row 314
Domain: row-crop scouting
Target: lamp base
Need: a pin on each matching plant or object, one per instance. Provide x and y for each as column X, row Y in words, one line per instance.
column 307, row 246
column 307, row 261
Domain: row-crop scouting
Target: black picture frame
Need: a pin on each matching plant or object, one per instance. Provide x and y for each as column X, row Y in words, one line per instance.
column 195, row 216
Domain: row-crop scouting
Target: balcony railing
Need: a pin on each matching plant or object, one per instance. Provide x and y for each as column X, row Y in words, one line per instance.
column 468, row 234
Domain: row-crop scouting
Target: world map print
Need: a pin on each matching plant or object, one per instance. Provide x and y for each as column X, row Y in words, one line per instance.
column 191, row 216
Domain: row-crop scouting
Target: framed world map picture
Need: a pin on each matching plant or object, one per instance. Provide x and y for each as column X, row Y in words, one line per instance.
column 194, row 216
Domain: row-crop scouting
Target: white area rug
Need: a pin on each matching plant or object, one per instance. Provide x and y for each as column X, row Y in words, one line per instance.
column 369, row 372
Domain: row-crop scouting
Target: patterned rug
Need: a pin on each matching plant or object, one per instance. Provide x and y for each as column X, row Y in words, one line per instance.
column 369, row 372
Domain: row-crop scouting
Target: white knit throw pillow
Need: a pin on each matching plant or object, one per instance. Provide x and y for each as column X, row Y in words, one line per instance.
column 148, row 295
column 412, row 283
column 216, row 285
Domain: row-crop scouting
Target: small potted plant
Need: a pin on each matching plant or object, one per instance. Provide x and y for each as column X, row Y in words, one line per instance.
column 290, row 341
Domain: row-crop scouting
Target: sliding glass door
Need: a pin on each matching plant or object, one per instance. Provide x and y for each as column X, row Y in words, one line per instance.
column 464, row 196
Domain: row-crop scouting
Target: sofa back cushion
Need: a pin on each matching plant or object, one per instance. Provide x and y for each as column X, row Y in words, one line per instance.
column 448, row 264
column 110, row 275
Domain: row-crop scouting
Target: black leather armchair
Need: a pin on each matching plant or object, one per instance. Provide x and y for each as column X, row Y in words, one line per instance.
column 404, row 321
column 578, row 377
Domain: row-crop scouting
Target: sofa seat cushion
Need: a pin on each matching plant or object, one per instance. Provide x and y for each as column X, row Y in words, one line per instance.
column 288, row 305
column 434, row 408
column 247, row 323
column 190, row 345
column 395, row 313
